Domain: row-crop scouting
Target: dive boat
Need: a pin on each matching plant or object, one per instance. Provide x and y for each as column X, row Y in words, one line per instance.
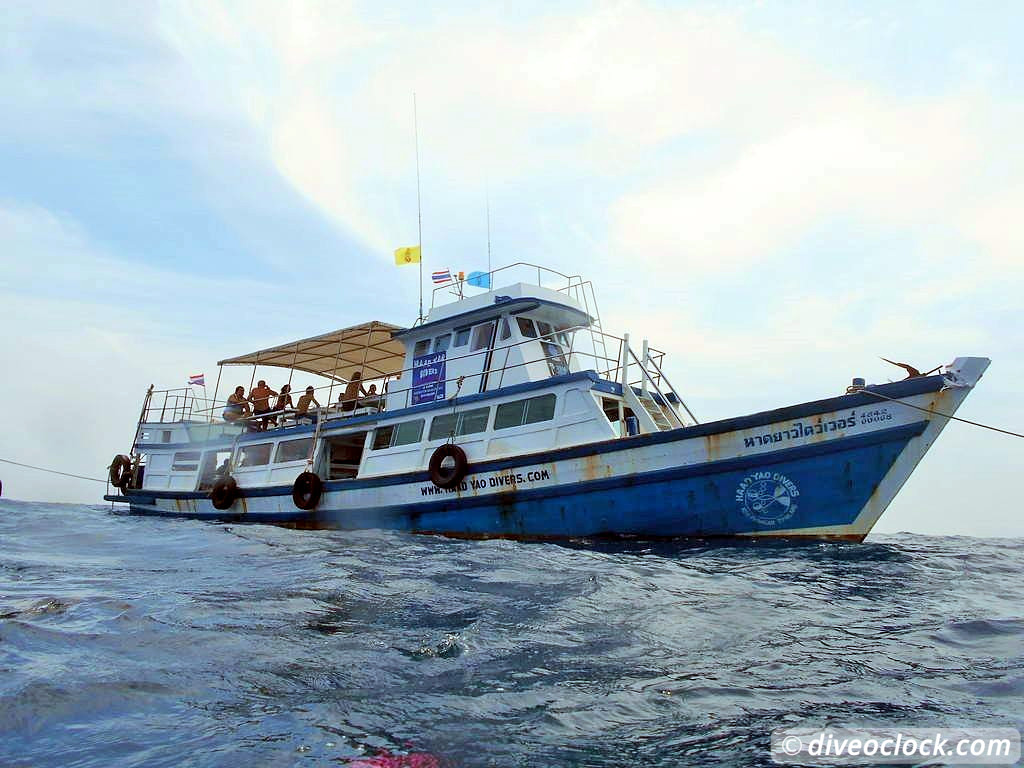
column 511, row 413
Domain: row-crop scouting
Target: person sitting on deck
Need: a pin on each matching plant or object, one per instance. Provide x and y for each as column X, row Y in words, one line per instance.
column 237, row 405
column 350, row 397
column 372, row 399
column 260, row 399
column 302, row 409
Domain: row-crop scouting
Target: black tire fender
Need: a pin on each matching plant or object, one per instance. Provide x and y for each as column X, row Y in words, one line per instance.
column 224, row 493
column 306, row 490
column 448, row 477
column 120, row 471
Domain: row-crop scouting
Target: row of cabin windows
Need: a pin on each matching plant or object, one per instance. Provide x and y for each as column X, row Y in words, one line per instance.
column 254, row 455
column 515, row 414
column 482, row 334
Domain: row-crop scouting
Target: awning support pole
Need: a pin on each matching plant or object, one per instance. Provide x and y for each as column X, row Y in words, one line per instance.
column 216, row 389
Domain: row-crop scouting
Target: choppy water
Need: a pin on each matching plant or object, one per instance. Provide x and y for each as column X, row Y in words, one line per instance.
column 134, row 641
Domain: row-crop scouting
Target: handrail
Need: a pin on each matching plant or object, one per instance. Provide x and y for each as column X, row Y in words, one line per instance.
column 673, row 391
column 186, row 404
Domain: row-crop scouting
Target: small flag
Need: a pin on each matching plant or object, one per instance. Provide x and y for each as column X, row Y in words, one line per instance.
column 408, row 255
column 198, row 380
column 479, row 279
column 444, row 276
column 462, row 275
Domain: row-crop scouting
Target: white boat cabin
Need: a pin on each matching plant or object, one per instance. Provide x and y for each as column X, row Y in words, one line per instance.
column 507, row 372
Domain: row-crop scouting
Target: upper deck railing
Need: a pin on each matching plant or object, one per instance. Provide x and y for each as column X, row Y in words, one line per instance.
column 621, row 366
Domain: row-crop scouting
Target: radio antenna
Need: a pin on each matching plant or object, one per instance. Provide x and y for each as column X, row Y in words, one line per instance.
column 487, row 196
column 419, row 209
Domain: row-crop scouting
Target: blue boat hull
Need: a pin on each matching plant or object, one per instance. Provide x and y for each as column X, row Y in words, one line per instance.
column 812, row 487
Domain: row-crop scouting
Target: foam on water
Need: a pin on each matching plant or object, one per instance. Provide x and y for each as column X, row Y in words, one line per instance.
column 135, row 641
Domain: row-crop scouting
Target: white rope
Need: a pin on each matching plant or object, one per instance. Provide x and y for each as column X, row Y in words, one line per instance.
column 52, row 471
column 939, row 413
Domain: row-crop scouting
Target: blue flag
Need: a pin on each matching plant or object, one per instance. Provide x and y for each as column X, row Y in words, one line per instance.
column 479, row 279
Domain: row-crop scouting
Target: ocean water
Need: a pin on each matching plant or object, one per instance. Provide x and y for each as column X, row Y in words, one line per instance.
column 131, row 641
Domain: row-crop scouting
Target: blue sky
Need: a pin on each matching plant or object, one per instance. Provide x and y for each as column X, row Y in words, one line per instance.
column 777, row 194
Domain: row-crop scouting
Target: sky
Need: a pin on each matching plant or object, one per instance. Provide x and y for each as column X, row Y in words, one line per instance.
column 776, row 194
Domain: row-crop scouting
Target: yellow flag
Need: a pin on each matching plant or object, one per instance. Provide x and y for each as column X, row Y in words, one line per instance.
column 409, row 255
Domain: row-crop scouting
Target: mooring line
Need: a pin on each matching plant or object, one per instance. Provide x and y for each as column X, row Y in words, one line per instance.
column 52, row 471
column 939, row 413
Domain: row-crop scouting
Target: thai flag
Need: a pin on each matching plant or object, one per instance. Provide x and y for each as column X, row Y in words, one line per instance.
column 444, row 276
column 197, row 379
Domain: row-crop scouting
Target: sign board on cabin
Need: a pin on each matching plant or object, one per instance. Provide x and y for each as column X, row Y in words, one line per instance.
column 428, row 375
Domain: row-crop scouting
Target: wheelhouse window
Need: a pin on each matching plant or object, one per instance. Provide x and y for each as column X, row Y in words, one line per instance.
column 504, row 331
column 254, row 455
column 422, row 347
column 404, row 433
column 482, row 335
column 461, row 337
column 526, row 327
column 293, row 450
column 185, row 461
column 465, row 423
column 441, row 343
column 529, row 411
column 544, row 328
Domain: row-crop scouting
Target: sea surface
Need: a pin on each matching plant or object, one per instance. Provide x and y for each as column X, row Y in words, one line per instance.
column 130, row 641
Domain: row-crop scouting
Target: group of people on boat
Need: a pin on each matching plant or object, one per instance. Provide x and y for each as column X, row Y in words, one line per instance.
column 265, row 415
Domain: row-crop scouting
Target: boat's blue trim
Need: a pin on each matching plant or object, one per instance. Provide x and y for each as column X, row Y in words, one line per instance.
column 488, row 313
column 561, row 454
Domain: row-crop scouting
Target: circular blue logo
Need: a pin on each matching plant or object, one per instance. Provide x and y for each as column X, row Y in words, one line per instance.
column 768, row 498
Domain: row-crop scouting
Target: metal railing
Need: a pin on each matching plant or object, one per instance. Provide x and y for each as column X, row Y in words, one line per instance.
column 645, row 372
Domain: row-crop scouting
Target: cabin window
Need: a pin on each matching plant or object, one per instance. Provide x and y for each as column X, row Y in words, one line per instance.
column 421, row 348
column 185, row 461
column 504, row 331
column 482, row 336
column 526, row 327
column 529, row 411
column 165, row 436
column 405, row 433
column 293, row 450
column 461, row 337
column 557, row 364
column 564, row 338
column 465, row 423
column 215, row 466
column 544, row 328
column 441, row 343
column 254, row 455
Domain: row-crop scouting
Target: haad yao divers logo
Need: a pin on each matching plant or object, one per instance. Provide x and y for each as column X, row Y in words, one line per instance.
column 768, row 498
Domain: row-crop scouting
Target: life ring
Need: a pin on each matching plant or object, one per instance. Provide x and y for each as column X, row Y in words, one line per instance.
column 306, row 490
column 448, row 477
column 224, row 493
column 120, row 471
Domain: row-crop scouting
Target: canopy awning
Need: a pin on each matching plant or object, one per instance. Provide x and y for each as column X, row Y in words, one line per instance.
column 368, row 348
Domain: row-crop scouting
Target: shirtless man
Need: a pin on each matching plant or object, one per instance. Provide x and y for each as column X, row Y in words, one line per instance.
column 353, row 390
column 260, row 399
column 302, row 408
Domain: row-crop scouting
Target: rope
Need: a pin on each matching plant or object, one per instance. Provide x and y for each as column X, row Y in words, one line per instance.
column 52, row 471
column 939, row 413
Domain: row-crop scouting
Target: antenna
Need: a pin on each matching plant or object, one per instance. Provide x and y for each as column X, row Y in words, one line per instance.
column 419, row 210
column 487, row 195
